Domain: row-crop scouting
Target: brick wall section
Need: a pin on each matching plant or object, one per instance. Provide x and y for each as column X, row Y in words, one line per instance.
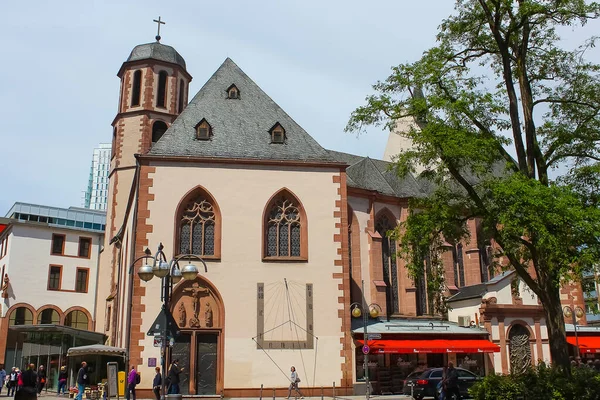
column 341, row 210
column 125, row 91
column 141, row 242
column 471, row 256
column 148, row 92
column 571, row 294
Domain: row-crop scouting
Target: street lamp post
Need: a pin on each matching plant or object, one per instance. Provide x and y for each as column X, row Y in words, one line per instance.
column 372, row 310
column 577, row 313
column 170, row 273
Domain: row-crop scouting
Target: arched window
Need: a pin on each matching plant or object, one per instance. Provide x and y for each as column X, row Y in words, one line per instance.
column 285, row 228
column 21, row 316
column 181, row 87
column 158, row 129
column 520, row 349
column 161, row 95
column 384, row 224
column 136, row 89
column 459, row 266
column 76, row 319
column 199, row 225
column 48, row 316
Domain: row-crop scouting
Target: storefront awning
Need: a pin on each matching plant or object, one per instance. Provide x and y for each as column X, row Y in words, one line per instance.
column 587, row 344
column 96, row 349
column 432, row 346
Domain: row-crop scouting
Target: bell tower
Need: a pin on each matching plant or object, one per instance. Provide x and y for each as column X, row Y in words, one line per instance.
column 153, row 92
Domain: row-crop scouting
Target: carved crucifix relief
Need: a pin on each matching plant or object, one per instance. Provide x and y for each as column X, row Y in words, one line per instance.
column 195, row 293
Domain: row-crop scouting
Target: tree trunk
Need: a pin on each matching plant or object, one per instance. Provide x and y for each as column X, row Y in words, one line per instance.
column 555, row 324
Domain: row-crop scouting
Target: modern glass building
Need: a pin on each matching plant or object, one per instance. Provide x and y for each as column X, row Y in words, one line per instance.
column 96, row 194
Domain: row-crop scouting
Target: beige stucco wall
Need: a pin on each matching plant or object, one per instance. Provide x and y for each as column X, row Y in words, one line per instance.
column 30, row 260
column 468, row 308
column 242, row 194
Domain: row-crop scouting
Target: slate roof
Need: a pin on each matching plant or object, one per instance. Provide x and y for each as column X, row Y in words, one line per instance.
column 240, row 127
column 420, row 326
column 377, row 175
column 156, row 51
column 478, row 290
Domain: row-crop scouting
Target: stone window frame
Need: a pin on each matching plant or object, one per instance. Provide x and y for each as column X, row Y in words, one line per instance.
column 195, row 193
column 285, row 194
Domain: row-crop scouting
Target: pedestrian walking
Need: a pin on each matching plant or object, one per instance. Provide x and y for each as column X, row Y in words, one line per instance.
column 11, row 385
column 2, row 378
column 28, row 389
column 443, row 384
column 294, row 381
column 174, row 379
column 82, row 380
column 451, row 382
column 131, row 383
column 62, row 380
column 157, row 383
column 41, row 374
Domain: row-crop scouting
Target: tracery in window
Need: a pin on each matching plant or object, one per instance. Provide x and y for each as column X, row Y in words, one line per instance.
column 383, row 225
column 199, row 225
column 285, row 228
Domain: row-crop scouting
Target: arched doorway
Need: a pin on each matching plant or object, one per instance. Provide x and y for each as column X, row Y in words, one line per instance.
column 520, row 349
column 198, row 310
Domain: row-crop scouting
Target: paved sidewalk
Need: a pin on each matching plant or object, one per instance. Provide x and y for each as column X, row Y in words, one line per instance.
column 52, row 396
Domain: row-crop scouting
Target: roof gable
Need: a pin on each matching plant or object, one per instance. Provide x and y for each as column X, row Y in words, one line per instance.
column 240, row 129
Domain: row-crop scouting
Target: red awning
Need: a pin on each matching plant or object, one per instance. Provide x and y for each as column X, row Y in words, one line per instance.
column 432, row 346
column 587, row 344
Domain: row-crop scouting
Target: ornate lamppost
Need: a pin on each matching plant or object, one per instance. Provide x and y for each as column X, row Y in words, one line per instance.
column 578, row 313
column 372, row 310
column 170, row 273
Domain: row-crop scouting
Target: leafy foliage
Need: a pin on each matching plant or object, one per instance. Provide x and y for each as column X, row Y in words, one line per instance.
column 498, row 103
column 541, row 382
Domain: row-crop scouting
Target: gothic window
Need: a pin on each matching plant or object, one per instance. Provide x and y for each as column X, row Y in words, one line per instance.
column 460, row 266
column 161, row 95
column 136, row 88
column 158, row 129
column 485, row 262
column 520, row 350
column 277, row 133
column 199, row 226
column 233, row 92
column 203, row 130
column 181, row 88
column 383, row 226
column 423, row 300
column 285, row 228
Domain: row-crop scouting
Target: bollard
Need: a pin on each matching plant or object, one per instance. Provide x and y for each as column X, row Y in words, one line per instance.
column 273, row 393
column 261, row 387
column 321, row 392
column 333, row 390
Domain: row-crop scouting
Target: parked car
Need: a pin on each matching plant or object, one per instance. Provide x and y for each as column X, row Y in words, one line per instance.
column 428, row 383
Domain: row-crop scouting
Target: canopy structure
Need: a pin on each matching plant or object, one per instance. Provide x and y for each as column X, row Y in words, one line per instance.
column 587, row 344
column 96, row 349
column 431, row 346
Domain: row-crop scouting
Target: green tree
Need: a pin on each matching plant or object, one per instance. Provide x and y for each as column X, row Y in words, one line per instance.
column 504, row 103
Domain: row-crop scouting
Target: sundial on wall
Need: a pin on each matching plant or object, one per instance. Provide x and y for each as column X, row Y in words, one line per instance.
column 284, row 312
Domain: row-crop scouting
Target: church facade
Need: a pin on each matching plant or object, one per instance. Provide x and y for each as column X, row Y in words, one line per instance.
column 289, row 231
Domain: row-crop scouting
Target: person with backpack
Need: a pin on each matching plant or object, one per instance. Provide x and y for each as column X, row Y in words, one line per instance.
column 62, row 380
column 294, row 381
column 132, row 381
column 28, row 389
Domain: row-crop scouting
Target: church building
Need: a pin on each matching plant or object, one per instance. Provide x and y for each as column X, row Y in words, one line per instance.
column 288, row 230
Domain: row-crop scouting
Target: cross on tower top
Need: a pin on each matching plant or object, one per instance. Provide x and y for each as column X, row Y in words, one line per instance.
column 159, row 22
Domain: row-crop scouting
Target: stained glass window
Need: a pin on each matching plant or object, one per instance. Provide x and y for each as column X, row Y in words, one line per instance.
column 197, row 228
column 284, row 227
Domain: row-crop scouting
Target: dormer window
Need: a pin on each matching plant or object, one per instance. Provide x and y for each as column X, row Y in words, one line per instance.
column 233, row 92
column 277, row 133
column 203, row 130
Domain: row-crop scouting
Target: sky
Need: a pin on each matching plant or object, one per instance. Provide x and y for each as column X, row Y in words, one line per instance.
column 316, row 59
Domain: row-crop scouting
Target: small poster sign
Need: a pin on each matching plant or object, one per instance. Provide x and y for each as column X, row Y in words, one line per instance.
column 152, row 362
